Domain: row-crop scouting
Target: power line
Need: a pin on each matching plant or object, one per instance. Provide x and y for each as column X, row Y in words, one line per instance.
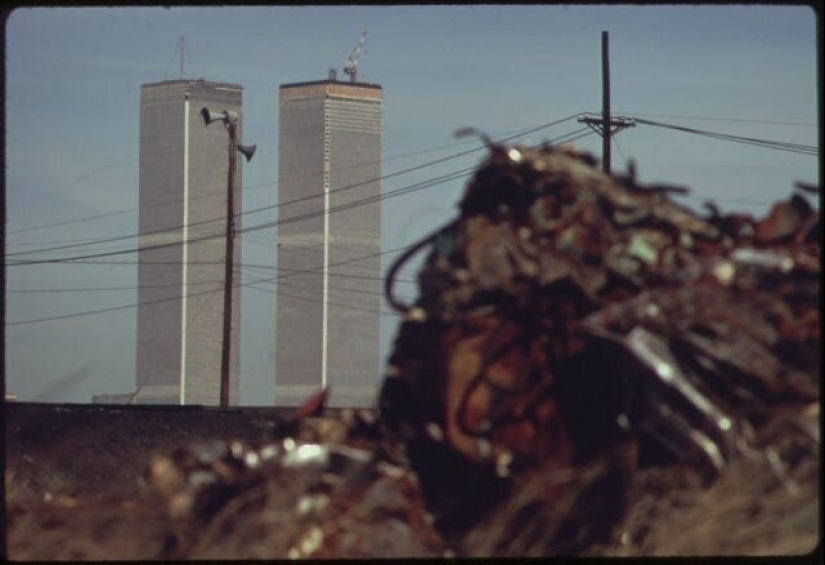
column 368, row 200
column 338, row 294
column 405, row 155
column 208, row 194
column 321, row 272
column 724, row 119
column 316, row 301
column 417, row 186
column 571, row 137
column 309, row 215
column 769, row 144
column 189, row 295
column 624, row 158
column 239, row 267
column 514, row 134
column 291, row 202
column 104, row 289
column 695, row 196
column 110, row 309
column 424, row 184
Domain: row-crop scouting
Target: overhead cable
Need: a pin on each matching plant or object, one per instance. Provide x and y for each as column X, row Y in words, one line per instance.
column 397, row 192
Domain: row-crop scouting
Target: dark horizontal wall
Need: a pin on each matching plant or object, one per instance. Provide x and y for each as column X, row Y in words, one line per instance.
column 95, row 450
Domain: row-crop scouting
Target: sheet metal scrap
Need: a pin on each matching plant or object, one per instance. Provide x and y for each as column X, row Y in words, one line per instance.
column 564, row 308
column 322, row 500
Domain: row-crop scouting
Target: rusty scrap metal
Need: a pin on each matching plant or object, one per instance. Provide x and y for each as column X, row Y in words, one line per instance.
column 338, row 499
column 564, row 308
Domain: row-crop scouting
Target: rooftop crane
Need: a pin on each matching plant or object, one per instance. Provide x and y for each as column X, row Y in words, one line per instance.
column 351, row 67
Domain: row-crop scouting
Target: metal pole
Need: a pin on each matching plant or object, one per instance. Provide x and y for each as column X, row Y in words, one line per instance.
column 605, row 104
column 227, row 289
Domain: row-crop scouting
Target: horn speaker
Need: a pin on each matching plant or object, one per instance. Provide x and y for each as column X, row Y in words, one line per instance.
column 210, row 116
column 248, row 151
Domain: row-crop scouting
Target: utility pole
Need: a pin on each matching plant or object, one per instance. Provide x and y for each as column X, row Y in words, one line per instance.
column 606, row 125
column 230, row 120
column 605, row 102
column 227, row 287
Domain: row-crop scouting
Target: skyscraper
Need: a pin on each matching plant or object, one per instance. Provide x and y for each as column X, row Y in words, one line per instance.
column 329, row 240
column 184, row 168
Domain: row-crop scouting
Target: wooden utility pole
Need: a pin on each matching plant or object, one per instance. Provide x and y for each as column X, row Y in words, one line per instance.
column 605, row 103
column 227, row 289
column 230, row 120
column 606, row 125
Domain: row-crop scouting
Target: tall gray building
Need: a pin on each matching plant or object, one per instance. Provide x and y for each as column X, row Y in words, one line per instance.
column 184, row 168
column 328, row 251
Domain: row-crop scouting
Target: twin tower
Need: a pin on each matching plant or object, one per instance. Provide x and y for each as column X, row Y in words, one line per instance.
column 329, row 243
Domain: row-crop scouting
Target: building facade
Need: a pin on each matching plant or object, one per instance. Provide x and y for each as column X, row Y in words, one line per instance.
column 329, row 241
column 184, row 168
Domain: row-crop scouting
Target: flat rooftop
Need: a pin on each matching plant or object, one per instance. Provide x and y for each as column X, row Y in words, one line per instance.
column 193, row 81
column 332, row 82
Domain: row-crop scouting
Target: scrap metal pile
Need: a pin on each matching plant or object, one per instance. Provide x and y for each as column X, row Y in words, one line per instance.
column 319, row 493
column 573, row 329
column 569, row 318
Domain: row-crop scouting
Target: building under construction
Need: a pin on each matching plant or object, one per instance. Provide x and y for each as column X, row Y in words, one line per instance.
column 329, row 241
column 184, row 168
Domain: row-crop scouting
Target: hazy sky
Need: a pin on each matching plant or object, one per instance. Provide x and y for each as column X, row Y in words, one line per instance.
column 72, row 107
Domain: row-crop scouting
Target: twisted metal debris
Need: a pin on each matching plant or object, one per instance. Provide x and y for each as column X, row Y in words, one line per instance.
column 327, row 495
column 565, row 310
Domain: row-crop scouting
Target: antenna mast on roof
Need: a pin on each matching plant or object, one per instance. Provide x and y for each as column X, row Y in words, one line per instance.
column 351, row 67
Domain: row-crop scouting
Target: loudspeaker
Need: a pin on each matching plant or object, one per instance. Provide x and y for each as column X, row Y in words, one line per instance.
column 210, row 116
column 248, row 151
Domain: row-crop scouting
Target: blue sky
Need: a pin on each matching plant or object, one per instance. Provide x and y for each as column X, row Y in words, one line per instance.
column 72, row 101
